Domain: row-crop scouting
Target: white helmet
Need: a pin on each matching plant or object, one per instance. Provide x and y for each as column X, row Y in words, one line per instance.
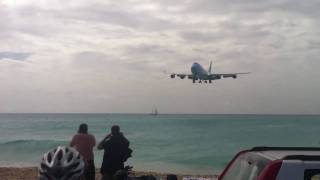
column 62, row 163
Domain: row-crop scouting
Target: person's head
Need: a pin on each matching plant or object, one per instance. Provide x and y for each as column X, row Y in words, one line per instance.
column 62, row 163
column 115, row 130
column 83, row 128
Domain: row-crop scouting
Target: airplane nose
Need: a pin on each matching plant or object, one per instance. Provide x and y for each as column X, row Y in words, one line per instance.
column 193, row 67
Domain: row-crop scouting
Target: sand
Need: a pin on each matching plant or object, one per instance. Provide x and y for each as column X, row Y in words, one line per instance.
column 31, row 173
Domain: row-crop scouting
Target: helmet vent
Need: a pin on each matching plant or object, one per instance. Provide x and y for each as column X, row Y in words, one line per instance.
column 70, row 157
column 60, row 153
column 49, row 157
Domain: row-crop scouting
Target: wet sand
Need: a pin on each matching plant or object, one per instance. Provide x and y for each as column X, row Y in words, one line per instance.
column 31, row 173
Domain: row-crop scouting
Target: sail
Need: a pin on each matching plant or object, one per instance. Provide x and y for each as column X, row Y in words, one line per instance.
column 154, row 111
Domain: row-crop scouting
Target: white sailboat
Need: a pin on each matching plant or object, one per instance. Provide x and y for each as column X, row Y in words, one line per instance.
column 154, row 112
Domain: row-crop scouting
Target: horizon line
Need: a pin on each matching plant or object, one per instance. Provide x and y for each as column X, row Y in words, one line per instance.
column 128, row 113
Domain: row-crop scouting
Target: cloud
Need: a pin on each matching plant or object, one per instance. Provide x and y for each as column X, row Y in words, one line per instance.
column 116, row 67
column 252, row 8
column 202, row 37
column 108, row 56
column 119, row 15
column 14, row 55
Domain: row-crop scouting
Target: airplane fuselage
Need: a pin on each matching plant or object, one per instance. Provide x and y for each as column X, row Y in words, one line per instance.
column 199, row 72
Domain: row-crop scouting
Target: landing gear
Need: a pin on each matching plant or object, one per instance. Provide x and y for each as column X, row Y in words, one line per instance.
column 200, row 81
column 210, row 81
column 205, row 82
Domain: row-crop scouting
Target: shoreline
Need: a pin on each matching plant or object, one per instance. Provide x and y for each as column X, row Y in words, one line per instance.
column 31, row 173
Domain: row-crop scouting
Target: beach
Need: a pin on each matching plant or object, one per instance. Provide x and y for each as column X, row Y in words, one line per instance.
column 31, row 173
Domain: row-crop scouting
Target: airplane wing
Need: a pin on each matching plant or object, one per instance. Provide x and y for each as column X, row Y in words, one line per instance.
column 233, row 75
column 181, row 76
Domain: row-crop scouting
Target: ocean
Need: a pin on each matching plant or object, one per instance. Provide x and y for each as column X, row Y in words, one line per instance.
column 193, row 144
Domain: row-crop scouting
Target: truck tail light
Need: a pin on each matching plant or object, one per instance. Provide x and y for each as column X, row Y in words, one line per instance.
column 270, row 172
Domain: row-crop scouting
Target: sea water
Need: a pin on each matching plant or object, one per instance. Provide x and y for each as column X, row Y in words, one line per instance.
column 201, row 144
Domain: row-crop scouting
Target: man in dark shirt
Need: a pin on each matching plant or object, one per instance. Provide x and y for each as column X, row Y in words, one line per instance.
column 116, row 152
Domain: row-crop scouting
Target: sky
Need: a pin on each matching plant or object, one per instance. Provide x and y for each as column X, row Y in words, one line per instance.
column 100, row 56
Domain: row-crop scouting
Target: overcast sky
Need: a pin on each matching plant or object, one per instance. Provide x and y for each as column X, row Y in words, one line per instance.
column 102, row 56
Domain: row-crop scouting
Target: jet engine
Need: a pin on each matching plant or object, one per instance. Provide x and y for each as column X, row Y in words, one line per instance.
column 182, row 76
column 215, row 77
column 172, row 76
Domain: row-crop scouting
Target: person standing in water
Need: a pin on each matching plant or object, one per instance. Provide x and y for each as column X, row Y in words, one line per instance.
column 116, row 152
column 84, row 143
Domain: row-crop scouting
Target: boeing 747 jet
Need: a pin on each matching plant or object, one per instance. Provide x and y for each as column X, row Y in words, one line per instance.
column 198, row 73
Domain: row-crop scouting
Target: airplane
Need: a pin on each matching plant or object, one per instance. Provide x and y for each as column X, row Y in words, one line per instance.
column 199, row 73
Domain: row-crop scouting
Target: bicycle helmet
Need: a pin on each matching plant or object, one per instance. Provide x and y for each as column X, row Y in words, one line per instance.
column 62, row 163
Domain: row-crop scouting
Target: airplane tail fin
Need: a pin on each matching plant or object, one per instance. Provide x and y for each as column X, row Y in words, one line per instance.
column 210, row 68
